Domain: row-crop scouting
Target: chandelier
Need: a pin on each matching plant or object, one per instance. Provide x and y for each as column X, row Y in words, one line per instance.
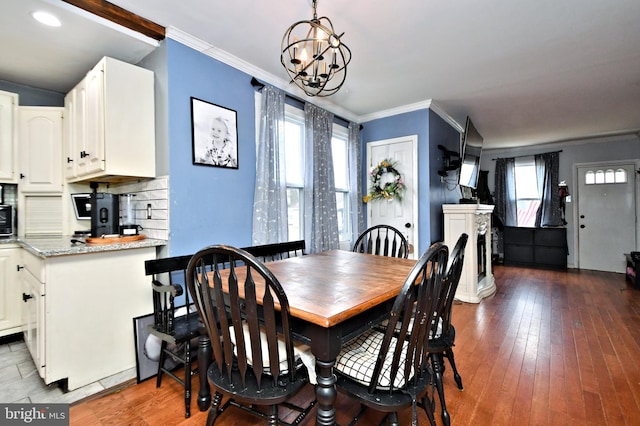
column 314, row 56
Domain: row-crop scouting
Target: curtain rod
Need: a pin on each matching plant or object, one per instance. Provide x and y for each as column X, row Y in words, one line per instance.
column 259, row 85
column 529, row 155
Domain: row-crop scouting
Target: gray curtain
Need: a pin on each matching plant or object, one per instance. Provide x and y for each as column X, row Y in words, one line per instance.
column 270, row 199
column 320, row 212
column 505, row 194
column 355, row 182
column 547, row 171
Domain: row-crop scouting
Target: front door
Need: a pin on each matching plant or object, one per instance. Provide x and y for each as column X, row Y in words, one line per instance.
column 606, row 217
column 402, row 215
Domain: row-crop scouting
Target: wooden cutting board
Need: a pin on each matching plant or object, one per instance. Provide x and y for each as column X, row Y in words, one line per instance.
column 114, row 240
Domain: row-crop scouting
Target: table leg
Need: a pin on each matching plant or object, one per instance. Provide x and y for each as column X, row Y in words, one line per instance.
column 204, row 360
column 326, row 393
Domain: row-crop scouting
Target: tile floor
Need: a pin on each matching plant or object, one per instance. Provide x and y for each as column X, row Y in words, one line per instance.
column 20, row 383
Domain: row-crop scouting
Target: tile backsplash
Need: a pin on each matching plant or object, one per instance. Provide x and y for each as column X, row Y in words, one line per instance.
column 9, row 194
column 150, row 205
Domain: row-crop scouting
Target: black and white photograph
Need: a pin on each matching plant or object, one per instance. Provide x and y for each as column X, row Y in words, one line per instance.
column 215, row 134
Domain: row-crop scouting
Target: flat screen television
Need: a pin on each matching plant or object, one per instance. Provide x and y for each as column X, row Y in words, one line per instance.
column 470, row 152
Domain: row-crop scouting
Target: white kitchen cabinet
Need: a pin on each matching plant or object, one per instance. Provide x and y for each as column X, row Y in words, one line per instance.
column 40, row 145
column 11, row 320
column 80, row 318
column 8, row 145
column 33, row 314
column 111, row 124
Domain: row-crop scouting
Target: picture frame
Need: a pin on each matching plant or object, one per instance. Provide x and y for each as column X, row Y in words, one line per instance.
column 147, row 349
column 214, row 131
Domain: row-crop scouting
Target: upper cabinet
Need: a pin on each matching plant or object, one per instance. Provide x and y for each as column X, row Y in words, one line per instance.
column 110, row 127
column 40, row 136
column 8, row 131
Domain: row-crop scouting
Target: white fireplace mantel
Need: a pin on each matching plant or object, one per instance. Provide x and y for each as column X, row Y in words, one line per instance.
column 474, row 220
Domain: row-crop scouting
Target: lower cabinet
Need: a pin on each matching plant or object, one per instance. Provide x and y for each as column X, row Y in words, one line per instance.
column 536, row 247
column 79, row 311
column 11, row 319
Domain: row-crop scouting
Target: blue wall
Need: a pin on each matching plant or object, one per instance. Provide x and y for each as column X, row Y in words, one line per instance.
column 211, row 205
column 32, row 96
column 410, row 123
column 441, row 190
column 208, row 205
column 432, row 193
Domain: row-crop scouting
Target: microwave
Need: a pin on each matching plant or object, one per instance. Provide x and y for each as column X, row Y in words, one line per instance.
column 7, row 220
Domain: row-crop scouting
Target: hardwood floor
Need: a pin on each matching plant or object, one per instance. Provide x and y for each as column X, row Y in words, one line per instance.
column 549, row 348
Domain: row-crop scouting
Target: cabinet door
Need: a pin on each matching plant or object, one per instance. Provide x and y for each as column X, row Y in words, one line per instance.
column 33, row 311
column 73, row 129
column 10, row 293
column 8, row 105
column 92, row 149
column 40, row 136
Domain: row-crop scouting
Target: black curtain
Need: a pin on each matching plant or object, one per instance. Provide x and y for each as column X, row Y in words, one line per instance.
column 547, row 171
column 505, row 193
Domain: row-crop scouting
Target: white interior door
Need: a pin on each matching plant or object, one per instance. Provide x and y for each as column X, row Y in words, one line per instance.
column 401, row 215
column 606, row 217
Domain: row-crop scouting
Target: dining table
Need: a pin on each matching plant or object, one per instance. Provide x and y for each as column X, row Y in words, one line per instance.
column 333, row 297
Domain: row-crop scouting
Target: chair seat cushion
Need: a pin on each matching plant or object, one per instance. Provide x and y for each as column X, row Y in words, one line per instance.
column 301, row 351
column 358, row 359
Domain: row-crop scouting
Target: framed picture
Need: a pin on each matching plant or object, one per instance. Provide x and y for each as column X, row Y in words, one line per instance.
column 214, row 130
column 147, row 349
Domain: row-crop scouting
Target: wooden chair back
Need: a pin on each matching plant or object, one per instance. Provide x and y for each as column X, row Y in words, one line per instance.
column 450, row 283
column 382, row 240
column 222, row 280
column 409, row 325
column 169, row 282
column 277, row 251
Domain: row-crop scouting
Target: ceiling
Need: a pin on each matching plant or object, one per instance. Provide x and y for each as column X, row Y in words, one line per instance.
column 526, row 72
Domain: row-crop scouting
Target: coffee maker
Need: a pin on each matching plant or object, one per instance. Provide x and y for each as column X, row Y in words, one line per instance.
column 105, row 213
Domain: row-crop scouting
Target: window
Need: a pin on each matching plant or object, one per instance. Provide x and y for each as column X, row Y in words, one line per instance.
column 600, row 177
column 295, row 170
column 527, row 196
column 294, row 166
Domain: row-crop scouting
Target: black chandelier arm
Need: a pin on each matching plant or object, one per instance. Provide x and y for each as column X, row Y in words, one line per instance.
column 309, row 63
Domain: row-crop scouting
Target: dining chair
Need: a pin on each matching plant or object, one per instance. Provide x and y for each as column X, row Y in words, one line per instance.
column 382, row 240
column 442, row 341
column 246, row 314
column 277, row 251
column 177, row 331
column 390, row 370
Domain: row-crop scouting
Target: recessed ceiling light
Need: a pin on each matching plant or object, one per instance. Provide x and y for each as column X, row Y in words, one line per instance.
column 46, row 18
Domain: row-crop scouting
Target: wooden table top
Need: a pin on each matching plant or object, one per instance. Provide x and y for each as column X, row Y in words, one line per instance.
column 329, row 287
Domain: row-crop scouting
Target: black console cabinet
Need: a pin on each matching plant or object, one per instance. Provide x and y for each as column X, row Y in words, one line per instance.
column 536, row 247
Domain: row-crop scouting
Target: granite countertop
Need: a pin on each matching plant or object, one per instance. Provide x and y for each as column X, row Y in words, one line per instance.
column 48, row 246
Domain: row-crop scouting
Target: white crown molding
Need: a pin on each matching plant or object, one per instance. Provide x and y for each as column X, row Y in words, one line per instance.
column 244, row 66
column 428, row 104
column 284, row 85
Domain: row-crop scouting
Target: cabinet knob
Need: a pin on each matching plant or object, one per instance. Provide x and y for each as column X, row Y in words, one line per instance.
column 18, row 267
column 582, row 226
column 69, row 160
column 26, row 297
column 84, row 154
column 22, row 176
